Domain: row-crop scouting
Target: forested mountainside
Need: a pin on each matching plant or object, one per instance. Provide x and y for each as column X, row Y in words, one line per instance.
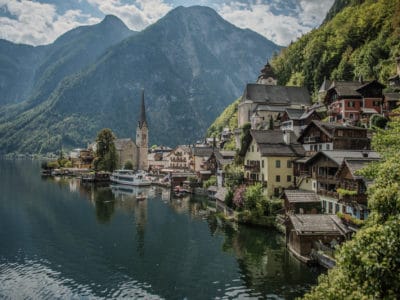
column 190, row 63
column 358, row 38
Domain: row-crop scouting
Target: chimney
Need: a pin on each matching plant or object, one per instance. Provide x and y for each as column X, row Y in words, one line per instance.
column 286, row 137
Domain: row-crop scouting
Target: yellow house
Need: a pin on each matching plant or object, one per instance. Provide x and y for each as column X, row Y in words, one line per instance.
column 269, row 160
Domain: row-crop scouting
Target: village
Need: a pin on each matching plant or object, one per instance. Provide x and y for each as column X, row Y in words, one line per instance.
column 302, row 158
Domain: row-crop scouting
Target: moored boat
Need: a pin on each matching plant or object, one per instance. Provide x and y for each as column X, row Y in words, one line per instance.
column 128, row 177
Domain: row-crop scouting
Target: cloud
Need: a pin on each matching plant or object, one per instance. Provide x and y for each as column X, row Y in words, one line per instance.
column 38, row 23
column 280, row 28
column 137, row 15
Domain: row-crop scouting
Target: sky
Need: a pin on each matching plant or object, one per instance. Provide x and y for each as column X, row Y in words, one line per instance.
column 39, row 22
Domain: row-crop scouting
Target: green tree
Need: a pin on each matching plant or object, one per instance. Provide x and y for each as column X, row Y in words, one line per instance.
column 106, row 155
column 255, row 200
column 128, row 165
column 209, row 182
column 368, row 266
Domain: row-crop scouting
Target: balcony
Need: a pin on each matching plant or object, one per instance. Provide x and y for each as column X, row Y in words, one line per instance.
column 255, row 168
column 332, row 194
column 312, row 139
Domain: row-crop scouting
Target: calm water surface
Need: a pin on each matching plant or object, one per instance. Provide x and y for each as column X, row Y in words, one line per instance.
column 65, row 241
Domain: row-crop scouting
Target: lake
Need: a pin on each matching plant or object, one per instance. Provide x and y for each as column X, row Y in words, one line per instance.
column 63, row 240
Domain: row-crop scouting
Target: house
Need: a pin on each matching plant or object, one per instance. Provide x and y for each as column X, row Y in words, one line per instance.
column 179, row 159
column 301, row 202
column 392, row 101
column 297, row 120
column 216, row 163
column 81, row 158
column 157, row 161
column 306, row 232
column 269, row 160
column 354, row 101
column 201, row 155
column 323, row 173
column 265, row 101
column 351, row 186
column 127, row 151
column 319, row 136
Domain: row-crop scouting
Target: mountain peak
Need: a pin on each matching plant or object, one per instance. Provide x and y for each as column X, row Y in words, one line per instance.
column 114, row 21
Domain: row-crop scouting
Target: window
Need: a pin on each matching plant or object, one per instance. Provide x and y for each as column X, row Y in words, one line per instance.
column 289, row 163
column 262, row 163
column 351, row 116
column 336, row 208
column 328, row 147
column 289, row 178
column 350, row 104
column 278, row 178
column 277, row 163
column 330, row 207
column 320, row 147
column 376, row 103
column 276, row 192
column 340, row 133
column 252, row 148
column 262, row 176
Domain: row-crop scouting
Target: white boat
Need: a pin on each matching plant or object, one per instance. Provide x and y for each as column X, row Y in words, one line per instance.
column 128, row 177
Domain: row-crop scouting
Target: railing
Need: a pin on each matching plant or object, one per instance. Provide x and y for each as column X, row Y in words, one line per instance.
column 328, row 193
column 252, row 168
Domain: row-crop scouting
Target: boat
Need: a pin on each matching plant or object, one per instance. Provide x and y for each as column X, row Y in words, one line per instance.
column 128, row 177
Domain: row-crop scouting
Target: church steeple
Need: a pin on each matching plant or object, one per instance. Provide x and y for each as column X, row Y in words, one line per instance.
column 142, row 118
column 267, row 75
column 142, row 138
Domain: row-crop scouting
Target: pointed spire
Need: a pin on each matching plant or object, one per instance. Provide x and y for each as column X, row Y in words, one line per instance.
column 142, row 119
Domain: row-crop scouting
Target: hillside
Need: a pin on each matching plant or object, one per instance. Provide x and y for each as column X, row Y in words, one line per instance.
column 358, row 38
column 32, row 73
column 191, row 63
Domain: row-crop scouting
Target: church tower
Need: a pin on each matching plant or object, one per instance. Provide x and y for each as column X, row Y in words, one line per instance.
column 267, row 76
column 142, row 138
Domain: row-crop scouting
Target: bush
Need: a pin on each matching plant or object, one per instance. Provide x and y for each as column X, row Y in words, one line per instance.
column 211, row 181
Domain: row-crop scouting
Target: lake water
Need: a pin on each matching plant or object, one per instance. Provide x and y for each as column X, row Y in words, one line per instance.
column 66, row 241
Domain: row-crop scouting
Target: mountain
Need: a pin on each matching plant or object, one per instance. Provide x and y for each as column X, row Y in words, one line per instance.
column 191, row 63
column 358, row 38
column 33, row 72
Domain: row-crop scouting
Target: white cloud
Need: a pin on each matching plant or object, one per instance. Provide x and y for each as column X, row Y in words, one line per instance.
column 136, row 16
column 281, row 29
column 38, row 23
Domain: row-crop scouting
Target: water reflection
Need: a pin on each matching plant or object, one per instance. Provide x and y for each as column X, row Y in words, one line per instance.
column 264, row 268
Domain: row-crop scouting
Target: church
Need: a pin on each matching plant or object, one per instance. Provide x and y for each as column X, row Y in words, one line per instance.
column 128, row 150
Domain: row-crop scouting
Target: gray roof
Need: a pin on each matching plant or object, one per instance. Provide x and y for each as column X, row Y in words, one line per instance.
column 356, row 164
column 346, row 88
column 271, row 143
column 202, row 151
column 325, row 85
column 294, row 114
column 392, row 96
column 329, row 128
column 338, row 156
column 276, row 94
column 316, row 223
column 221, row 193
column 300, row 196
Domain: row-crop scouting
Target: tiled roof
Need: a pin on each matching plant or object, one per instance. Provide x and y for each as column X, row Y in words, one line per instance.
column 202, row 151
column 346, row 88
column 339, row 155
column 356, row 164
column 314, row 224
column 271, row 143
column 300, row 196
column 276, row 94
column 392, row 96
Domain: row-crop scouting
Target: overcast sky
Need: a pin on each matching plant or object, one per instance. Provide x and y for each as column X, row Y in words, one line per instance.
column 40, row 22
